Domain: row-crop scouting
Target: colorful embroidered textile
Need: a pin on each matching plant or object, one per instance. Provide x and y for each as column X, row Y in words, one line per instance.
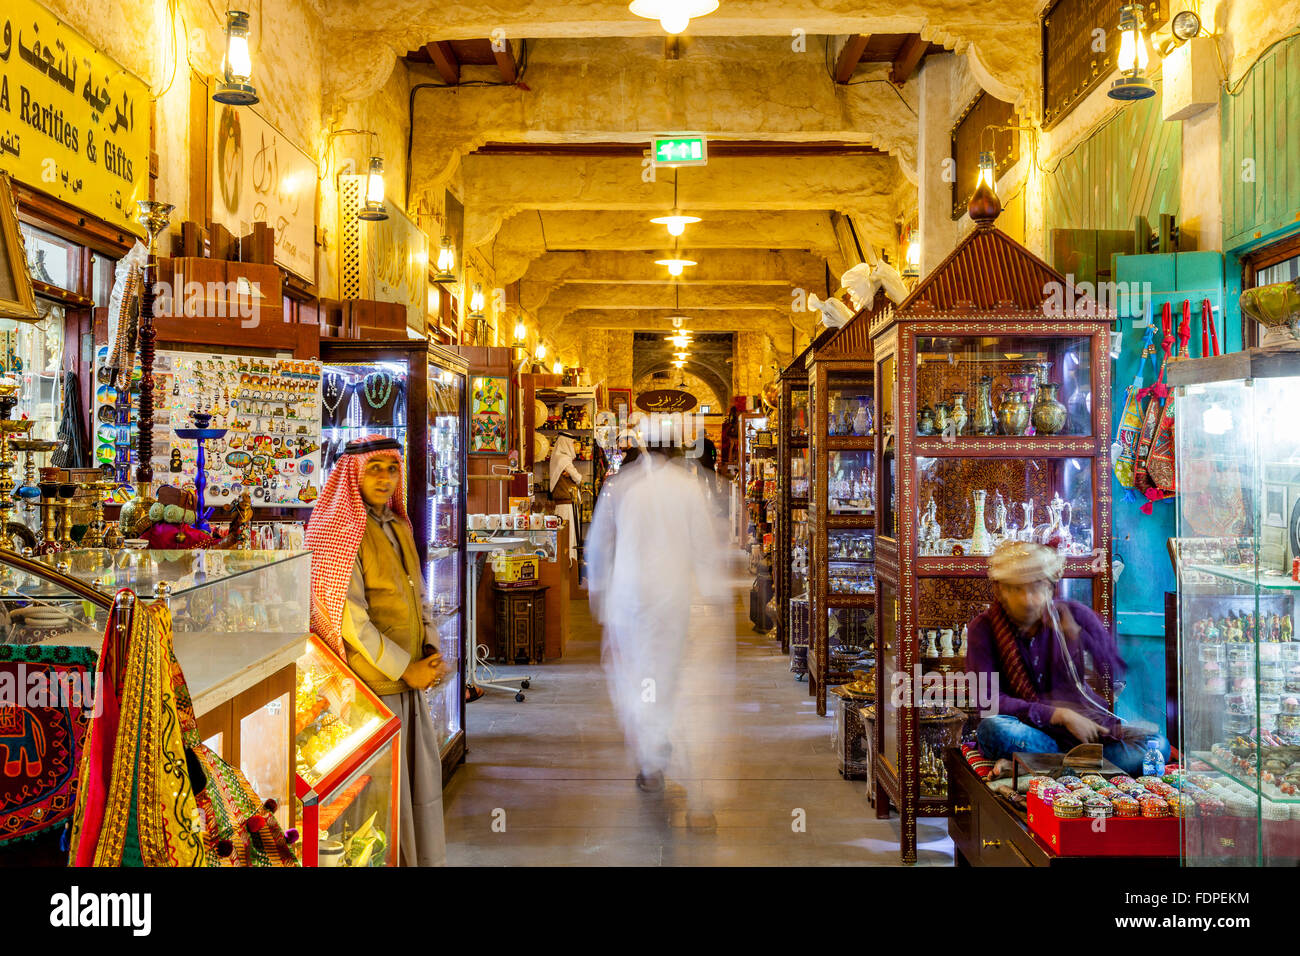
column 238, row 829
column 1010, row 661
column 47, row 695
column 1130, row 423
column 981, row 764
column 338, row 523
column 136, row 804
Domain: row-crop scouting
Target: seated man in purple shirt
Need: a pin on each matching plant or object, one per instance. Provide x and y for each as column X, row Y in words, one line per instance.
column 1043, row 654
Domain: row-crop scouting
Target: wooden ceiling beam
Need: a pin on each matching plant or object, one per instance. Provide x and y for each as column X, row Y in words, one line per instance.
column 909, row 56
column 850, row 56
column 506, row 63
column 444, row 59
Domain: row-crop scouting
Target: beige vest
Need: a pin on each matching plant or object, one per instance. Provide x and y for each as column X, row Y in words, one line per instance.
column 396, row 600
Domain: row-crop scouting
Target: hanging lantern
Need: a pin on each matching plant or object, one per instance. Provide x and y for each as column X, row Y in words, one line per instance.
column 446, row 261
column 1133, row 82
column 540, row 354
column 557, row 368
column 236, row 87
column 673, row 15
column 372, row 207
column 476, row 302
column 521, row 331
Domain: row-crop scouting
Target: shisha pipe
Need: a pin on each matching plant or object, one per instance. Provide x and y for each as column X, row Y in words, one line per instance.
column 200, row 433
column 154, row 216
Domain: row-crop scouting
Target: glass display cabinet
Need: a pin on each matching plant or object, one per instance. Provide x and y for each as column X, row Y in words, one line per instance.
column 790, row 553
column 346, row 747
column 380, row 388
column 445, row 571
column 841, row 508
column 239, row 619
column 965, row 458
column 1238, row 455
column 751, row 423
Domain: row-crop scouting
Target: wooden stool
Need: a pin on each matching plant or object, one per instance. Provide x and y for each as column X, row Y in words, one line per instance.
column 521, row 623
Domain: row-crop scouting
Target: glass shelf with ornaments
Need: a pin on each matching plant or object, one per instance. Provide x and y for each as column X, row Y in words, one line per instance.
column 1237, row 557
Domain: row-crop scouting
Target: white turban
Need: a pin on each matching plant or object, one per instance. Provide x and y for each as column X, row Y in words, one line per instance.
column 1022, row 562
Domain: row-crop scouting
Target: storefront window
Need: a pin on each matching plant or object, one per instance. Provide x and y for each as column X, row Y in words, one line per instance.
column 51, row 259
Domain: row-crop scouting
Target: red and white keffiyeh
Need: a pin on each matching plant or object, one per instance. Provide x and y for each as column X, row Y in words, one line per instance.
column 334, row 533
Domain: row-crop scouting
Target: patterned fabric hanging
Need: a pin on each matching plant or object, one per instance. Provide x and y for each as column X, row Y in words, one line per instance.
column 42, row 741
column 1124, row 451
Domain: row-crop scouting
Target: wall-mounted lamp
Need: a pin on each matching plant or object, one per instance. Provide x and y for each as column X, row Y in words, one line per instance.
column 912, row 258
column 372, row 205
column 476, row 302
column 446, row 261
column 540, row 353
column 1184, row 26
column 236, row 86
column 557, row 368
column 1133, row 82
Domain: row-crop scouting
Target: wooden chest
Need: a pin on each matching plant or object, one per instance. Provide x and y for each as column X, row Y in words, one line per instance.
column 521, row 624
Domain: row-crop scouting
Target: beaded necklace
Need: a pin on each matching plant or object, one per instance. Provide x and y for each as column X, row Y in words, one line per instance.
column 333, row 386
column 377, row 396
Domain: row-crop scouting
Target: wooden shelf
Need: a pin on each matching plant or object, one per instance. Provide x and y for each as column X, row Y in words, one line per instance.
column 978, row 565
column 1005, row 446
column 850, row 442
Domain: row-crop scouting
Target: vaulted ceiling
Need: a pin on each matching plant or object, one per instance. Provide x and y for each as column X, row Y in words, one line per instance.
column 538, row 116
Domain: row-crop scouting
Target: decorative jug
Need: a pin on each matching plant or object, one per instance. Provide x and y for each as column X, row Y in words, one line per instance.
column 1048, row 414
column 925, row 421
column 979, row 539
column 959, row 415
column 1013, row 413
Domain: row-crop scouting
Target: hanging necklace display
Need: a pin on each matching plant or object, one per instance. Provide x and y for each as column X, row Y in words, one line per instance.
column 377, row 396
column 332, row 395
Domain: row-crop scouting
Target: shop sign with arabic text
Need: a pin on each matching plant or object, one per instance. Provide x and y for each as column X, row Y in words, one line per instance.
column 665, row 400
column 73, row 123
column 259, row 176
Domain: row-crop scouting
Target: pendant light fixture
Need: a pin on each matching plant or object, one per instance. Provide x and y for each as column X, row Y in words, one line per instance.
column 676, row 222
column 557, row 368
column 236, row 86
column 446, row 261
column 673, row 15
column 540, row 353
column 476, row 302
column 372, row 204
column 675, row 266
column 1133, row 82
column 521, row 331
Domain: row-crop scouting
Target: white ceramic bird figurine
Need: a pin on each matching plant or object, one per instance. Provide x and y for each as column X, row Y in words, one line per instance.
column 886, row 275
column 862, row 285
column 834, row 312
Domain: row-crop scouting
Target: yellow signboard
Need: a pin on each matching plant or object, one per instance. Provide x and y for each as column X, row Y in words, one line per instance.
column 73, row 123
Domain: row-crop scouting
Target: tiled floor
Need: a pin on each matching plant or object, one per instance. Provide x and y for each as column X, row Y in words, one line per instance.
column 548, row 781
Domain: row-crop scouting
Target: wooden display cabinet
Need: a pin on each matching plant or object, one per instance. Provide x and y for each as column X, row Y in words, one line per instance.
column 841, row 502
column 980, row 323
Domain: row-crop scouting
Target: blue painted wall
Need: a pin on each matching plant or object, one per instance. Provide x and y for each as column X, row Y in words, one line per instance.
column 1138, row 539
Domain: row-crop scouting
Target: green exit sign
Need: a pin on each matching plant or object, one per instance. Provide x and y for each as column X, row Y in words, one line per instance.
column 688, row 150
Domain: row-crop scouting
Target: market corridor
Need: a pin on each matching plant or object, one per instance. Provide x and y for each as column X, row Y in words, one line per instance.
column 553, row 775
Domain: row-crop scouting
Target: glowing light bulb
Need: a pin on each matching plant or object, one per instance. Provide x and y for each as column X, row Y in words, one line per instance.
column 675, row 266
column 521, row 331
column 541, row 351
column 557, row 368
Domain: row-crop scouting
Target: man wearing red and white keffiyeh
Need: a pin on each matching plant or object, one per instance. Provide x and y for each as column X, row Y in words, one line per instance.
column 367, row 604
